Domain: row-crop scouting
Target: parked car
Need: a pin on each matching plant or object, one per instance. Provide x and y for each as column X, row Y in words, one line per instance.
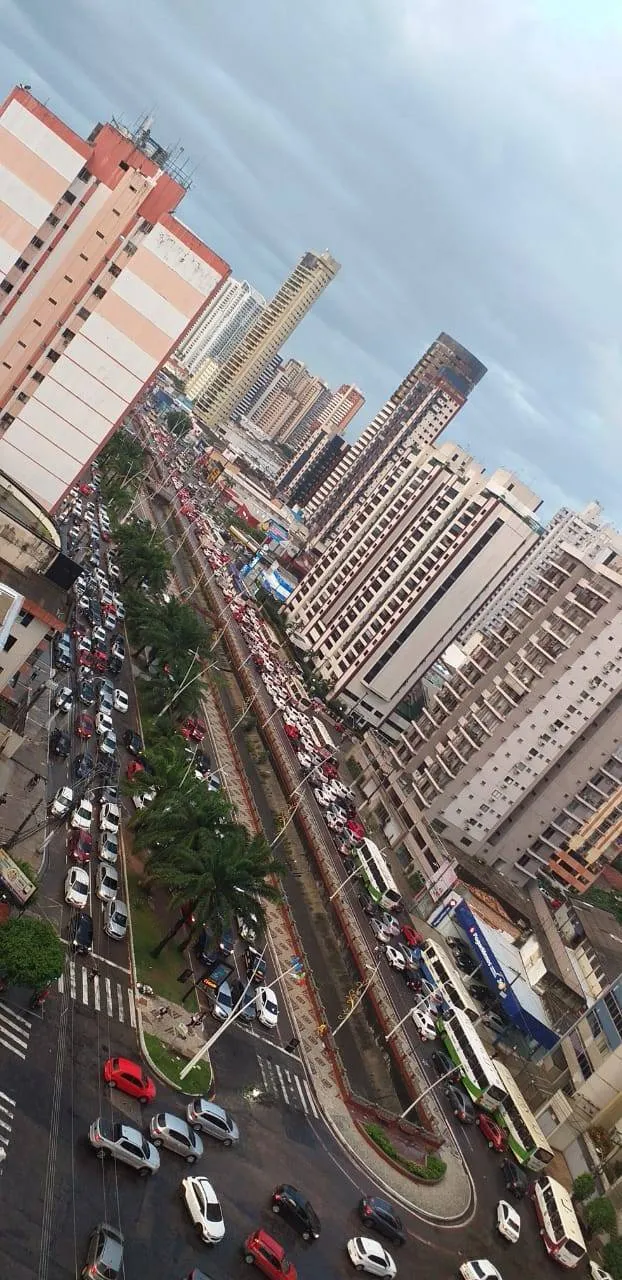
column 269, row 1256
column 133, row 742
column 83, row 766
column 381, row 1216
column 297, row 1210
column 109, row 817
column 107, row 882
column 62, row 802
column 479, row 1269
column 104, row 1257
column 82, row 815
column 168, row 1130
column 267, row 1006
column 115, row 919
column 244, row 1000
column 80, row 845
column 81, row 932
column 424, row 1022
column 120, row 701
column 129, row 1077
column 86, row 693
column 124, row 1142
column 77, row 887
column 223, row 1002
column 411, row 937
column 84, row 725
column 460, row 1104
column 108, row 847
column 256, row 966
column 207, row 1117
column 63, row 700
column 60, row 743
column 495, row 1136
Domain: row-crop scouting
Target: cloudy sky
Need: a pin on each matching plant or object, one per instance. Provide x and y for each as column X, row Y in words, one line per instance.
column 461, row 159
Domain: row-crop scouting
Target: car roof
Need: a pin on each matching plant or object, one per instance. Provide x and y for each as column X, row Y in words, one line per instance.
column 174, row 1122
column 272, row 1244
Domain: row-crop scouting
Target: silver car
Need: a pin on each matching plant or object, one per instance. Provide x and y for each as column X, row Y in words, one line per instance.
column 115, row 919
column 107, row 882
column 208, row 1117
column 125, row 1143
column 171, row 1131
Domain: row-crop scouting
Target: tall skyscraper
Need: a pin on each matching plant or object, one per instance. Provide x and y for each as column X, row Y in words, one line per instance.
column 260, row 388
column 417, row 412
column 220, row 327
column 311, row 465
column 426, row 546
column 99, row 283
column 266, row 336
column 517, row 758
column 332, row 411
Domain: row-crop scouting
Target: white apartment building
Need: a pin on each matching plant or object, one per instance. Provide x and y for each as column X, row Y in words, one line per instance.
column 418, row 411
column 269, row 331
column 422, row 550
column 220, row 327
column 516, row 758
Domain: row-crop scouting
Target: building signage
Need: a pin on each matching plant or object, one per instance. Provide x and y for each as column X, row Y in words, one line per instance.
column 13, row 878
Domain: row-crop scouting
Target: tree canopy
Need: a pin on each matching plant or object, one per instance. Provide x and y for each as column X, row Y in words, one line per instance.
column 31, row 953
column 143, row 555
column 178, row 421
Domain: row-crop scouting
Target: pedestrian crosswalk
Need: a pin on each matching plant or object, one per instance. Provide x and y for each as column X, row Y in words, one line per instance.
column 14, row 1030
column 7, row 1113
column 98, row 991
column 284, row 1084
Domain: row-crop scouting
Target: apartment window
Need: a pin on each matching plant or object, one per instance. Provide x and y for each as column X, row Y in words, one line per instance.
column 613, row 1009
column 123, row 164
column 21, row 344
column 146, row 226
column 6, row 364
column 38, row 323
column 21, row 264
column 37, row 376
column 129, row 248
column 22, row 397
column 114, row 269
column 36, row 242
column 53, row 355
column 98, row 292
column 11, row 640
column 25, row 618
column 7, row 419
column 68, row 334
column 68, row 279
column 84, row 257
column 52, row 219
column 84, row 313
column 6, row 287
column 117, row 211
column 100, row 235
column 84, row 174
column 594, row 1024
column 53, row 301
column 69, row 197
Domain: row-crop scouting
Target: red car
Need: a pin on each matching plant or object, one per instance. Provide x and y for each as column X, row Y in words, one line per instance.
column 84, row 726
column 129, row 1077
column 81, row 845
column 356, row 828
column 330, row 771
column 192, row 729
column 494, row 1136
column 100, row 660
column 133, row 769
column 269, row 1256
column 411, row 937
column 292, row 732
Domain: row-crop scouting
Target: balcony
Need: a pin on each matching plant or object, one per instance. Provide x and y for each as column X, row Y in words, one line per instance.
column 29, row 541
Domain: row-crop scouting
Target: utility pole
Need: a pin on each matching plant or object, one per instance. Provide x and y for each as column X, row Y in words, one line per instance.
column 13, row 841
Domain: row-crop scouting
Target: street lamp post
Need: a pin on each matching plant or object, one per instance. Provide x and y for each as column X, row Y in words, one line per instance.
column 357, row 1002
column 429, row 1089
column 407, row 1016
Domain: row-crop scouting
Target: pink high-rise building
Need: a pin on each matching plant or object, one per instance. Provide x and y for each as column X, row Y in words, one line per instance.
column 99, row 282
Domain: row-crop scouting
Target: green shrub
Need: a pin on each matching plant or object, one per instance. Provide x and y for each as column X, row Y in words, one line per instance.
column 381, row 1140
column 583, row 1186
column 612, row 1259
column 600, row 1215
column 433, row 1169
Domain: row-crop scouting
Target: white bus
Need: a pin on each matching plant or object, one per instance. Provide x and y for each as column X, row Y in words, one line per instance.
column 321, row 732
column 375, row 872
column 525, row 1137
column 447, row 977
column 559, row 1225
column 478, row 1072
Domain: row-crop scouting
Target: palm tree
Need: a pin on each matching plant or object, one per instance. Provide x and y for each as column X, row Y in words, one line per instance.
column 219, row 876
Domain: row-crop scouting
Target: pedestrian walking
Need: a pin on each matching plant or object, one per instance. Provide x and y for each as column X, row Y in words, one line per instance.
column 195, row 1020
column 33, row 782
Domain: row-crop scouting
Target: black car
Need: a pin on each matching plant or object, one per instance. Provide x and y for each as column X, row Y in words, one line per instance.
column 296, row 1209
column 133, row 743
column 81, row 932
column 86, row 693
column 244, row 999
column 368, row 904
column 465, row 962
column 83, row 766
column 381, row 1216
column 201, row 762
column 60, row 743
column 460, row 1104
column 114, row 664
column 256, row 966
column 515, row 1178
column 482, row 993
column 442, row 1063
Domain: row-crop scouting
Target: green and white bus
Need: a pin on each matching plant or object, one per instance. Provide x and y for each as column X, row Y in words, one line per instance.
column 525, row 1137
column 375, row 872
column 448, row 979
column 478, row 1072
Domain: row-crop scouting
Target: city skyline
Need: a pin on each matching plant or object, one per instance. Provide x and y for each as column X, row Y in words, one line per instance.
column 513, row 273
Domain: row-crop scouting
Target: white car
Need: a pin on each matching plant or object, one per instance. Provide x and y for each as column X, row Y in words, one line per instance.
column 597, row 1273
column 62, row 802
column 77, row 887
column 64, row 699
column 103, row 722
column 424, row 1023
column 120, row 701
column 395, row 958
column 367, row 1255
column 479, row 1269
column 267, row 1007
column 108, row 743
column 109, row 818
column 380, row 931
column 98, row 636
column 107, row 882
column 82, row 817
column 390, row 923
column 508, row 1221
column 139, row 801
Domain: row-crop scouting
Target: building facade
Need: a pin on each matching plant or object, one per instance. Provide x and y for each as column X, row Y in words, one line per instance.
column 219, row 329
column 99, row 283
column 293, row 392
column 425, row 402
column 516, row 757
column 332, row 412
column 301, row 478
column 424, row 548
column 267, row 334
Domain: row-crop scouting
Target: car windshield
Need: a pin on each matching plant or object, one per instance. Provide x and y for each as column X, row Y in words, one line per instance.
column 119, row 917
column 213, row 1212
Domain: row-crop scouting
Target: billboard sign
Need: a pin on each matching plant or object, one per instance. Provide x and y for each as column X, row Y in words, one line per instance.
column 13, row 879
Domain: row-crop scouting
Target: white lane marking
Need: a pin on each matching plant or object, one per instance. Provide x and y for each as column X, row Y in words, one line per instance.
column 263, row 1073
column 5, row 1098
column 120, row 1002
column 108, row 997
column 14, row 1033
column 130, row 1000
column 17, row 1017
column 282, row 1083
column 302, row 1096
column 85, row 987
column 72, row 978
column 96, row 992
column 311, row 1101
column 12, row 1047
column 111, row 963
